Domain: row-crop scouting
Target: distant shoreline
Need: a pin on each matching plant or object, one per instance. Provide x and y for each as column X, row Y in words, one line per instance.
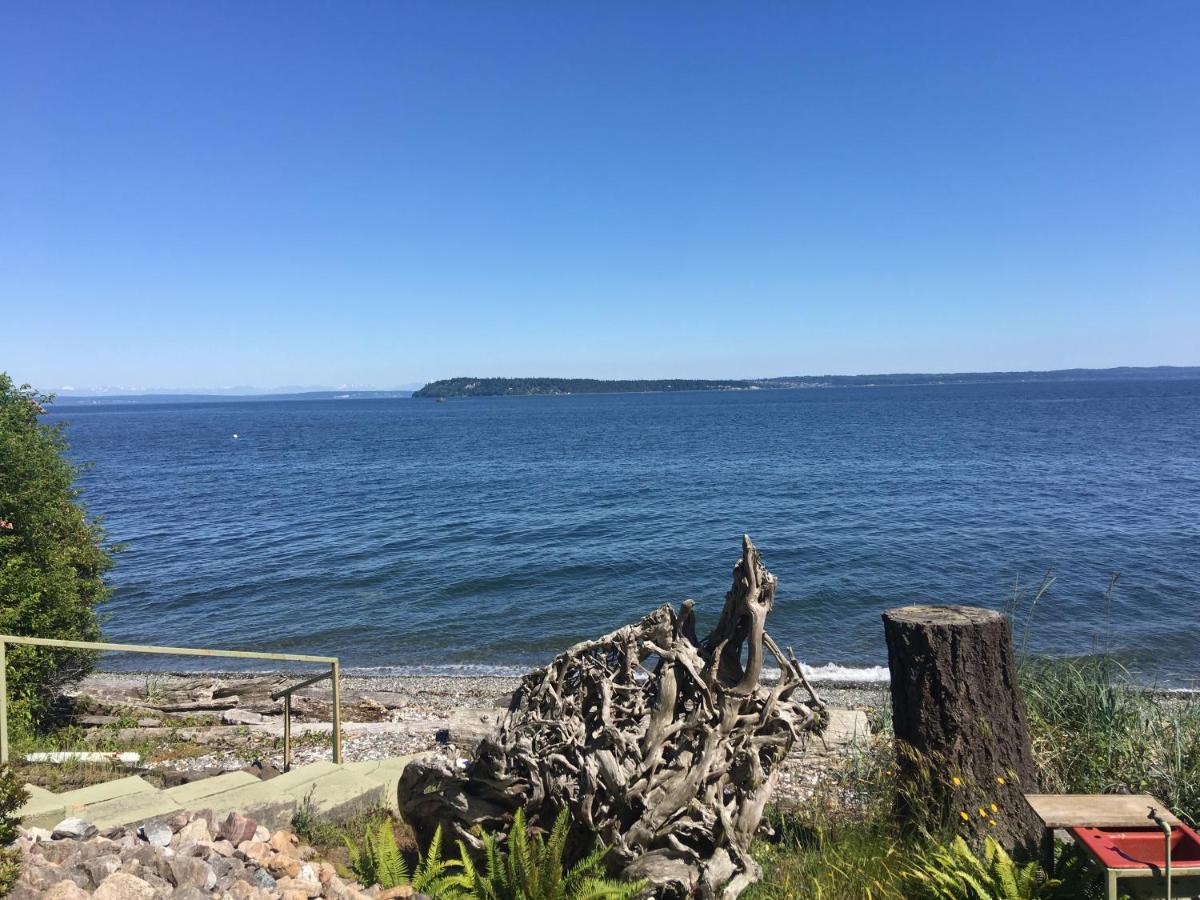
column 514, row 387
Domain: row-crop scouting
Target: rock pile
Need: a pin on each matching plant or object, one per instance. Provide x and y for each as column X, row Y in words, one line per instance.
column 189, row 856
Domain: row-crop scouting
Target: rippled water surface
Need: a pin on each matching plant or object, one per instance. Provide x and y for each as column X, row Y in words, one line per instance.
column 493, row 532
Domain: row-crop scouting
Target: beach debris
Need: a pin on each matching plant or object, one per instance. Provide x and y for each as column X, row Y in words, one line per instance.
column 59, row 757
column 665, row 746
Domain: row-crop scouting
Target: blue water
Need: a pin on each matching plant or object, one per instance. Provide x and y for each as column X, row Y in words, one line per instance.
column 484, row 533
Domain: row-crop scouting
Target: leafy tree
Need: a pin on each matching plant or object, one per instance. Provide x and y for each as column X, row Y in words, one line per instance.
column 53, row 556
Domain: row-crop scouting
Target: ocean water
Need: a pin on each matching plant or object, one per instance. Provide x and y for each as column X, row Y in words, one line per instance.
column 484, row 535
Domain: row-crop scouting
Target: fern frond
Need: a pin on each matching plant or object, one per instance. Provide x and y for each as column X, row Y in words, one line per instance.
column 551, row 864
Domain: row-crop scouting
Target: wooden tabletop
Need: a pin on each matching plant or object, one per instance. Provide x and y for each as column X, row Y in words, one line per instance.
column 1097, row 810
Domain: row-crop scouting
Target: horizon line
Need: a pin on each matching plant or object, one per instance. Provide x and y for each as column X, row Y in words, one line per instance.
column 297, row 390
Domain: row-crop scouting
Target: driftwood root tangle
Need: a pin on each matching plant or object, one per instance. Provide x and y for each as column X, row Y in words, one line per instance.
column 664, row 745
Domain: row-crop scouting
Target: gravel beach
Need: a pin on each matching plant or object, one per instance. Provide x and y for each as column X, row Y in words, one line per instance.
column 383, row 716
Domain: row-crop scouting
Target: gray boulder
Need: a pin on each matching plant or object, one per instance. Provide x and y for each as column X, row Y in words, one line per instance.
column 158, row 834
column 123, row 886
column 73, row 828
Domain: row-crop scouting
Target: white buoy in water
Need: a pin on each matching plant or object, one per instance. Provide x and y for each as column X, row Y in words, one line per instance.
column 235, row 436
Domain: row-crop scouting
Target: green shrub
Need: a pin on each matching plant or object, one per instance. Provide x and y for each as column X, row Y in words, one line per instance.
column 52, row 555
column 12, row 797
column 533, row 868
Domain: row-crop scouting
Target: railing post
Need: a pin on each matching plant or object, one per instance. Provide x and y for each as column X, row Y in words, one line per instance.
column 3, row 705
column 287, row 732
column 337, row 712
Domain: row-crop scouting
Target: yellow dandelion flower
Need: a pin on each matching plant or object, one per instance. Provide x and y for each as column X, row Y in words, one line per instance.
column 995, row 808
column 991, row 821
column 957, row 781
column 965, row 817
column 999, row 779
column 982, row 813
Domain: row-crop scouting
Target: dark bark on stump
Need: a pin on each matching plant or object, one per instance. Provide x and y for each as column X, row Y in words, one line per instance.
column 961, row 732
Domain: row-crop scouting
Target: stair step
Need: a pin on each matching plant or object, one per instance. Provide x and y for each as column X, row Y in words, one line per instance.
column 46, row 809
column 385, row 772
column 332, row 790
column 271, row 802
column 133, row 809
column 194, row 793
column 342, row 794
column 37, row 793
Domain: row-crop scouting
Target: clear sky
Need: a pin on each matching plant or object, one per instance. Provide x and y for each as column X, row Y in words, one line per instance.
column 248, row 193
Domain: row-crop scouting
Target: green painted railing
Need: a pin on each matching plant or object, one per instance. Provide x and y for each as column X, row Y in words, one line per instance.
column 334, row 674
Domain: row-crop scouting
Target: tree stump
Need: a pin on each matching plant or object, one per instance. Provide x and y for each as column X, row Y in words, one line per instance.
column 961, row 734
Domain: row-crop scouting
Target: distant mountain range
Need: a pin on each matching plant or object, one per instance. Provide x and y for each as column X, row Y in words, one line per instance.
column 511, row 387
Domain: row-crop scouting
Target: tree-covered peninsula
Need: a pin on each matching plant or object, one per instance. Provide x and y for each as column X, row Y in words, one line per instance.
column 515, row 387
column 506, row 387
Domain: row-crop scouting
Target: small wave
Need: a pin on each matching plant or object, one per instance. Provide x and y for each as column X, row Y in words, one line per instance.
column 834, row 672
column 829, row 672
column 447, row 670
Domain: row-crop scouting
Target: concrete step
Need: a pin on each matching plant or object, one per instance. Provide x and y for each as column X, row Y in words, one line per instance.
column 342, row 794
column 47, row 809
column 384, row 771
column 193, row 794
column 332, row 790
column 129, row 810
column 271, row 802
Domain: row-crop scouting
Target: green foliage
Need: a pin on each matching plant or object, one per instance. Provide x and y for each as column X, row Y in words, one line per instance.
column 442, row 879
column 533, row 868
column 52, row 555
column 954, row 872
column 1095, row 731
column 12, row 797
column 378, row 859
column 831, row 861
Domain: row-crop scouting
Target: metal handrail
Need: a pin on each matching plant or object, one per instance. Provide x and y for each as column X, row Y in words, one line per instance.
column 286, row 694
column 334, row 674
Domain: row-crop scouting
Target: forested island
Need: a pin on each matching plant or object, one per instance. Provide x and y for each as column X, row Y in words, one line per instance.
column 513, row 387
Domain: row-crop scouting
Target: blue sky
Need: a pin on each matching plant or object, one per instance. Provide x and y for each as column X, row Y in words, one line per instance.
column 207, row 194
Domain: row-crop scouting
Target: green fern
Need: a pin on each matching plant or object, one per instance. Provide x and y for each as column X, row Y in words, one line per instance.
column 379, row 860
column 954, row 872
column 533, row 868
column 442, row 879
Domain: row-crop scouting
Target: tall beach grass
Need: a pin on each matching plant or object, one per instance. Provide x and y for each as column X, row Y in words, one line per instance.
column 1094, row 728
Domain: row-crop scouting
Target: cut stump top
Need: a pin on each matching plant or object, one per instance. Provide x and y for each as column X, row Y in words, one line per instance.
column 928, row 614
column 1097, row 810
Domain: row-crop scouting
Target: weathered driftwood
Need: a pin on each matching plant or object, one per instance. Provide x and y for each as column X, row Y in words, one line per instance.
column 665, row 745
